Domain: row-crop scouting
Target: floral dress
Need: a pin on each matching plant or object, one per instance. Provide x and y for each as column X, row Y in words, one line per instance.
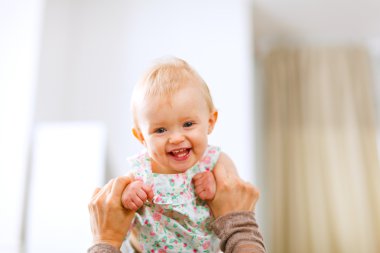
column 176, row 220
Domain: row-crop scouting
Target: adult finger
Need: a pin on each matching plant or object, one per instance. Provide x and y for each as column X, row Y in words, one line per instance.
column 119, row 185
column 102, row 192
column 225, row 172
column 99, row 195
column 97, row 189
column 222, row 176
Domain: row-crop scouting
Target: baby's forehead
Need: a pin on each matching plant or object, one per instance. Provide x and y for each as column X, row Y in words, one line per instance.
column 189, row 98
column 193, row 96
column 169, row 93
column 156, row 101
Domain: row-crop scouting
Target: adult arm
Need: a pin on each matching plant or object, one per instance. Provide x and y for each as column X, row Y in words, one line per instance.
column 103, row 248
column 232, row 208
column 239, row 232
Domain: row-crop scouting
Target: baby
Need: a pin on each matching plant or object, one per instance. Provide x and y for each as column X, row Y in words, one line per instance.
column 173, row 116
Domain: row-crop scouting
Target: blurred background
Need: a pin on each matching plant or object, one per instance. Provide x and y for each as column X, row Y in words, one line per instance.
column 295, row 83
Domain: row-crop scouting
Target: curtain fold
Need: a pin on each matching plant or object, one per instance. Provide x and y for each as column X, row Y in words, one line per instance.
column 321, row 160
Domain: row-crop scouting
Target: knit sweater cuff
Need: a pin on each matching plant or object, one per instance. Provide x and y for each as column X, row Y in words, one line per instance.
column 103, row 248
column 236, row 230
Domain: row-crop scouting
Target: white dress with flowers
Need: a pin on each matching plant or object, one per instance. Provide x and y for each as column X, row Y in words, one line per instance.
column 177, row 220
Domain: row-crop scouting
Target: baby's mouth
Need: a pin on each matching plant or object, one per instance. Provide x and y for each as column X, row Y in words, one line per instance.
column 180, row 153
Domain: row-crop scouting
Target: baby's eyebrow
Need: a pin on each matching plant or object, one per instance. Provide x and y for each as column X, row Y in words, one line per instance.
column 157, row 123
column 190, row 118
column 157, row 126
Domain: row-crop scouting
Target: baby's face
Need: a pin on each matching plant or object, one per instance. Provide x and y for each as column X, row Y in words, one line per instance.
column 174, row 129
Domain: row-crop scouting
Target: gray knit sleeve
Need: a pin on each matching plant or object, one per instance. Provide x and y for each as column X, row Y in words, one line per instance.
column 239, row 232
column 103, row 248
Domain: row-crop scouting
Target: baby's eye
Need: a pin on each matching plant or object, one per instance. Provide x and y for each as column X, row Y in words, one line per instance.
column 188, row 124
column 160, row 130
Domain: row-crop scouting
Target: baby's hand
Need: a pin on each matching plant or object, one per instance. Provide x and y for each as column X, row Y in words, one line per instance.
column 205, row 185
column 135, row 194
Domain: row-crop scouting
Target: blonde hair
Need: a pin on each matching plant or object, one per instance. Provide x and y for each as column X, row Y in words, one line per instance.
column 164, row 79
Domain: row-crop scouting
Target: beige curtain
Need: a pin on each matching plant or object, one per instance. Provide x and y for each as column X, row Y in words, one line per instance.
column 321, row 162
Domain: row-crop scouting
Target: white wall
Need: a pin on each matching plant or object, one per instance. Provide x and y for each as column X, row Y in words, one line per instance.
column 213, row 36
column 20, row 27
column 70, row 60
column 94, row 52
column 62, row 180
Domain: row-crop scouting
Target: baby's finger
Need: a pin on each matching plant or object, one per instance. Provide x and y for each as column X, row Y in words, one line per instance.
column 132, row 206
column 137, row 201
column 197, row 176
column 202, row 195
column 208, row 180
column 200, row 175
column 148, row 190
column 201, row 180
column 142, row 195
column 198, row 190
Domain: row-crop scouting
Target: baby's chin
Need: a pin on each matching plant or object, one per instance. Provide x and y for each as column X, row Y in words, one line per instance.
column 170, row 169
column 182, row 168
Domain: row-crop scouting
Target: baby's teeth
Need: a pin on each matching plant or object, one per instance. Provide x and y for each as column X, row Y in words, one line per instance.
column 178, row 151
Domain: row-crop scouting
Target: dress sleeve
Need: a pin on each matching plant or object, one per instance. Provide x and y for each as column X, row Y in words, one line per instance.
column 103, row 248
column 239, row 232
column 209, row 159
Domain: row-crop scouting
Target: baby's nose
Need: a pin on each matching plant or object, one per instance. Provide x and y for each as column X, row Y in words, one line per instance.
column 176, row 138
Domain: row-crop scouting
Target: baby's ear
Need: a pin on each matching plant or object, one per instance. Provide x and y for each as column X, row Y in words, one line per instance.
column 138, row 135
column 212, row 120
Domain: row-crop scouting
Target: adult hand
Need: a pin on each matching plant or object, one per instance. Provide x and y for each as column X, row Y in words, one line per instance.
column 110, row 221
column 232, row 193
